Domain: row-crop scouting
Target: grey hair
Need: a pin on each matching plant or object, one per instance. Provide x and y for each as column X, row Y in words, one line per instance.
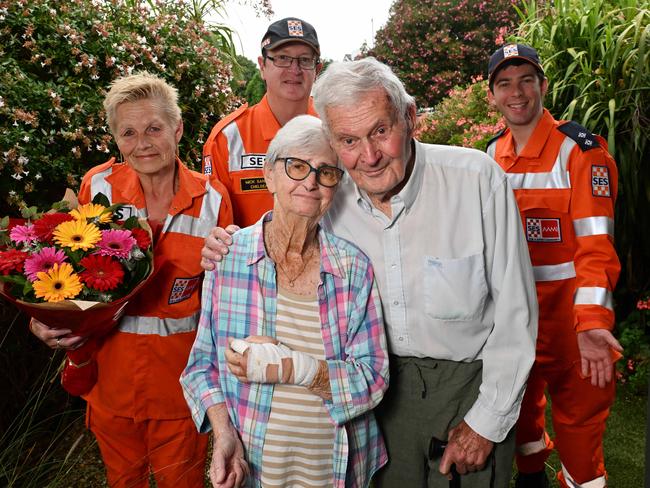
column 344, row 83
column 142, row 86
column 303, row 133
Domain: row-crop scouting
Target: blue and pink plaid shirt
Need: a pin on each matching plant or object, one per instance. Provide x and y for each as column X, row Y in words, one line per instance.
column 239, row 299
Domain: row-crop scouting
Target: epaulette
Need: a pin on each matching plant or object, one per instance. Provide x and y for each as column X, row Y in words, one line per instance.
column 585, row 139
column 496, row 136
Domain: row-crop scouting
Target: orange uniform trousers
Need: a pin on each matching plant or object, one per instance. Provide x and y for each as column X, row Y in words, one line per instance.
column 171, row 450
column 579, row 425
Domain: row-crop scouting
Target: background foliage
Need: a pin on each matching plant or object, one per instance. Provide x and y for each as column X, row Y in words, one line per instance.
column 56, row 58
column 434, row 45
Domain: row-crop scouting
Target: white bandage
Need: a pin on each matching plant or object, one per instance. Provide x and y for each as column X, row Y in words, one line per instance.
column 276, row 363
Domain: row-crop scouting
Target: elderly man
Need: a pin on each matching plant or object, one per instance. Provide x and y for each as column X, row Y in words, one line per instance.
column 234, row 153
column 442, row 228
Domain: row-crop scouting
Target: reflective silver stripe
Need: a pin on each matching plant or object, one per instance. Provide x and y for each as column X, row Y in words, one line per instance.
column 161, row 327
column 532, row 447
column 594, row 295
column 593, row 226
column 98, row 184
column 553, row 272
column 557, row 178
column 197, row 226
column 599, row 482
column 235, row 146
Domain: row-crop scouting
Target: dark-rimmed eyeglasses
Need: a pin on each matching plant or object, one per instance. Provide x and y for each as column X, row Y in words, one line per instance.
column 298, row 170
column 284, row 61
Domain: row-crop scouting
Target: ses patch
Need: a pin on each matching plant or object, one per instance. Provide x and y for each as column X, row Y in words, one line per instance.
column 543, row 230
column 600, row 181
column 252, row 161
column 182, row 288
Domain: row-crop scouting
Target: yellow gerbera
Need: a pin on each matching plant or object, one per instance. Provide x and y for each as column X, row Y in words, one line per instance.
column 57, row 284
column 77, row 234
column 91, row 211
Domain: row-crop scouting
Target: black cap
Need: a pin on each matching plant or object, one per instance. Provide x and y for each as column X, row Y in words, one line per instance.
column 513, row 51
column 288, row 30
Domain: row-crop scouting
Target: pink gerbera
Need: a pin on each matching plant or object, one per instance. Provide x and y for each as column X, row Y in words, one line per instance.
column 23, row 234
column 43, row 260
column 117, row 243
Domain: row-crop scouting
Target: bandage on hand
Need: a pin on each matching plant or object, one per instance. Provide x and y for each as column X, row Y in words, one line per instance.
column 276, row 363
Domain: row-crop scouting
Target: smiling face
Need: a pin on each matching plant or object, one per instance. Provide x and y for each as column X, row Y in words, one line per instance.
column 305, row 198
column 145, row 137
column 373, row 142
column 518, row 94
column 292, row 83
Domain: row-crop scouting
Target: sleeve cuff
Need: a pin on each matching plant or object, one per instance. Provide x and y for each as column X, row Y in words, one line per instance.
column 209, row 399
column 492, row 426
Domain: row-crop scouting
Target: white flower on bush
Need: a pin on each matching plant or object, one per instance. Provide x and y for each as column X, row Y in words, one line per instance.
column 23, row 160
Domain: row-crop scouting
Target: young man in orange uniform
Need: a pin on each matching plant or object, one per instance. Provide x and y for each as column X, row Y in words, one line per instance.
column 235, row 151
column 565, row 184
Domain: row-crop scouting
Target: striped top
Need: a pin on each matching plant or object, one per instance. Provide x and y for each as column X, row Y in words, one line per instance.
column 299, row 437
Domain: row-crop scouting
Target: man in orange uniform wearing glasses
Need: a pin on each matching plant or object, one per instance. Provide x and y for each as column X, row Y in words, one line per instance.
column 235, row 151
column 565, row 184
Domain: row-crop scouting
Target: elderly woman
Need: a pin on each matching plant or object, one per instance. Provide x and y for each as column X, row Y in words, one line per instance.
column 290, row 357
column 136, row 409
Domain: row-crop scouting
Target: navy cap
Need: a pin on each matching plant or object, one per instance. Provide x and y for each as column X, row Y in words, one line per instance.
column 513, row 51
column 288, row 30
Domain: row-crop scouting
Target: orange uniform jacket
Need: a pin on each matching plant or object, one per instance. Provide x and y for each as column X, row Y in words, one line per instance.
column 235, row 153
column 565, row 183
column 139, row 364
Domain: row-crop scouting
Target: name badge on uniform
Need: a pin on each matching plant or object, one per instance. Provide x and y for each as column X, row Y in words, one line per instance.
column 252, row 161
column 252, row 184
column 183, row 288
column 543, row 230
column 600, row 181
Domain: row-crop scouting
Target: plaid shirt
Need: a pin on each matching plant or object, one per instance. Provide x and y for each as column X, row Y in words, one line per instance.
column 242, row 302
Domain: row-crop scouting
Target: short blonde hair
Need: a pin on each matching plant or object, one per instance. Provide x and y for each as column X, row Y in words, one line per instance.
column 141, row 86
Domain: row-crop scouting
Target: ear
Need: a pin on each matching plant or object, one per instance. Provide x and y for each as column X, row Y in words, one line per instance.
column 178, row 133
column 544, row 87
column 411, row 118
column 268, row 176
column 260, row 64
column 490, row 96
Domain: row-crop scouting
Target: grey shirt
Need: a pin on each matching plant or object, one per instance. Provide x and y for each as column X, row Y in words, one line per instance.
column 453, row 272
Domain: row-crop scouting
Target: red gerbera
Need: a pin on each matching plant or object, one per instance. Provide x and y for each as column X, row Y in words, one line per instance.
column 12, row 261
column 102, row 272
column 44, row 227
column 142, row 237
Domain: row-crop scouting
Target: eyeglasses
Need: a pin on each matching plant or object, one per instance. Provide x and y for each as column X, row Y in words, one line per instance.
column 283, row 61
column 298, row 170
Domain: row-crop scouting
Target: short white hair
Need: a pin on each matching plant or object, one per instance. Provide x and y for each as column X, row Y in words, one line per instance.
column 304, row 133
column 344, row 83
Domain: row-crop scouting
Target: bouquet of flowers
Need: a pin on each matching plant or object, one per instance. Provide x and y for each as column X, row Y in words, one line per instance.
column 77, row 270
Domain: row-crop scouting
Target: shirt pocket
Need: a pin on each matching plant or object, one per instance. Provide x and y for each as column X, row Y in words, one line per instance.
column 454, row 288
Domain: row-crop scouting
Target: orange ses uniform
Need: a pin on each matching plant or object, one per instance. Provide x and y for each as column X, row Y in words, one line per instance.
column 136, row 409
column 235, row 153
column 565, row 183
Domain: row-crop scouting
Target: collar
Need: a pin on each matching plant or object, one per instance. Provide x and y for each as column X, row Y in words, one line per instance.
column 269, row 124
column 537, row 141
column 126, row 187
column 329, row 252
column 409, row 193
